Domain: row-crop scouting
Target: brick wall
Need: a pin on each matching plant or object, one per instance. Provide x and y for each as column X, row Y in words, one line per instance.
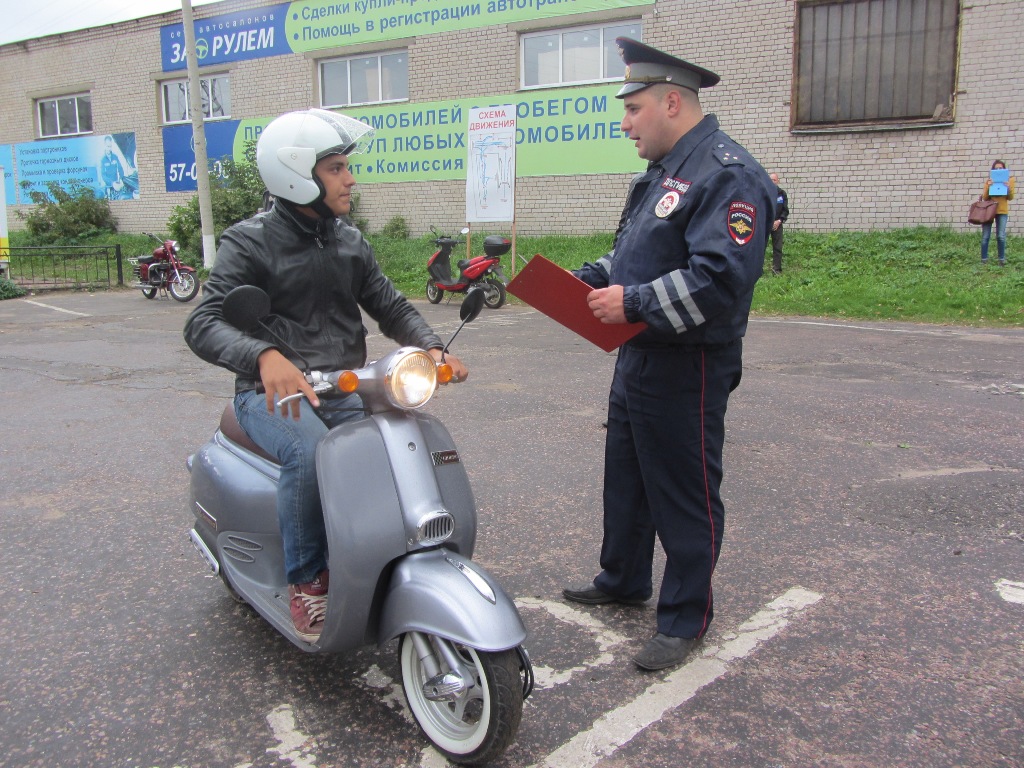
column 845, row 180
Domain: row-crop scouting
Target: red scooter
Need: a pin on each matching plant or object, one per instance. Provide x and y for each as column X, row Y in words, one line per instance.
column 164, row 271
column 480, row 271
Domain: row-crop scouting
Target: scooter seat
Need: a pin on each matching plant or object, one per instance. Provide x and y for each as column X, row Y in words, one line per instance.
column 233, row 431
column 462, row 264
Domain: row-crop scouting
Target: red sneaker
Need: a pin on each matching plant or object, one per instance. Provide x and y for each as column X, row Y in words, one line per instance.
column 308, row 604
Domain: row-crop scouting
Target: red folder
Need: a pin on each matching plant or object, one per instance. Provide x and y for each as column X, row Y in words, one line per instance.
column 562, row 296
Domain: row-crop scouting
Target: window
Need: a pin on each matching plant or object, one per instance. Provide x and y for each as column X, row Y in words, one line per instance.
column 861, row 61
column 216, row 97
column 364, row 79
column 65, row 115
column 574, row 55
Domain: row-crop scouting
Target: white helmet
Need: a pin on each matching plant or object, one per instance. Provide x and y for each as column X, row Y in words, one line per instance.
column 291, row 145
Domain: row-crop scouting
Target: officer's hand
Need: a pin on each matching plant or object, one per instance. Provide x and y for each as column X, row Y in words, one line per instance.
column 281, row 378
column 459, row 371
column 606, row 304
column 777, row 224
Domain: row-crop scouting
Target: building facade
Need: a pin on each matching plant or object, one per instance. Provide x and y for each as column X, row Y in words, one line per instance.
column 875, row 113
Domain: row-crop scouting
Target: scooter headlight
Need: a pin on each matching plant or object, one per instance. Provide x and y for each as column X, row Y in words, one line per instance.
column 411, row 379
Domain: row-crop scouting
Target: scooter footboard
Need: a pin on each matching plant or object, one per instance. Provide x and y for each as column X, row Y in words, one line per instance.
column 441, row 593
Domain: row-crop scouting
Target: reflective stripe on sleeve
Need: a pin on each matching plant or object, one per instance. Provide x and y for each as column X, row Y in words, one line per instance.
column 669, row 307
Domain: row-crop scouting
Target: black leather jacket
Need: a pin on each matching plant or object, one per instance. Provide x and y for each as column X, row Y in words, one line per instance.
column 318, row 274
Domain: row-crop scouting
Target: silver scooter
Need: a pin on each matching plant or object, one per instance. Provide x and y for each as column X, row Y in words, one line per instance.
column 401, row 527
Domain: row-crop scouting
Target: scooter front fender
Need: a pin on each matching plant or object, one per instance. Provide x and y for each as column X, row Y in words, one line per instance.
column 438, row 592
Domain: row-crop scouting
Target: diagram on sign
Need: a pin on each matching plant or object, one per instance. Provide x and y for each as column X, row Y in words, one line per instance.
column 491, row 165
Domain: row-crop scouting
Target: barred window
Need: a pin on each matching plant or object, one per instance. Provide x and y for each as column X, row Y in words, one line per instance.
column 215, row 92
column 364, row 79
column 574, row 55
column 65, row 115
column 875, row 61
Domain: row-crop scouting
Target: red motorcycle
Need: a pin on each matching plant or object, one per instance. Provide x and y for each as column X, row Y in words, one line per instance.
column 164, row 272
column 480, row 271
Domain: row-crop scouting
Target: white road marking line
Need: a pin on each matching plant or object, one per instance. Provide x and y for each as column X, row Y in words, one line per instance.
column 848, row 326
column 546, row 677
column 1011, row 591
column 56, row 309
column 293, row 746
column 618, row 727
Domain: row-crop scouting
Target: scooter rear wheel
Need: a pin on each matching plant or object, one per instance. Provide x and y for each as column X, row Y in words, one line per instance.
column 494, row 293
column 477, row 724
column 434, row 293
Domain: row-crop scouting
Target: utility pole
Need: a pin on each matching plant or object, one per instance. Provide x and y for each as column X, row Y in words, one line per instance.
column 195, row 105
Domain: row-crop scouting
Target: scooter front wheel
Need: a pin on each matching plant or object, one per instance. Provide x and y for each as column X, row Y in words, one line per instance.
column 434, row 293
column 471, row 713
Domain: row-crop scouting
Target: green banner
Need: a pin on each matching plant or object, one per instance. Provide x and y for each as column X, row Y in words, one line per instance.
column 563, row 132
column 315, row 24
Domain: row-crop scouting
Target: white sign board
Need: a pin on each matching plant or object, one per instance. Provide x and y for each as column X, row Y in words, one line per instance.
column 491, row 166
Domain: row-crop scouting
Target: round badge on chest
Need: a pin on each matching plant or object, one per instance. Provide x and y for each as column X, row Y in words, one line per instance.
column 667, row 204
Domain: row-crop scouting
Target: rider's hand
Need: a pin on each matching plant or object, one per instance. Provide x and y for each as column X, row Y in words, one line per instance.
column 459, row 371
column 281, row 378
column 606, row 304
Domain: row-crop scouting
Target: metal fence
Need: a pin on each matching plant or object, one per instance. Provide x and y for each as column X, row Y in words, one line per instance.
column 63, row 267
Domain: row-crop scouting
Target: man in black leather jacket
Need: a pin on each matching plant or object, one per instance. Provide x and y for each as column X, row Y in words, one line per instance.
column 318, row 271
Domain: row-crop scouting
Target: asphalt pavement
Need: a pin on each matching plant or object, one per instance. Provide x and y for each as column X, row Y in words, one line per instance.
column 869, row 596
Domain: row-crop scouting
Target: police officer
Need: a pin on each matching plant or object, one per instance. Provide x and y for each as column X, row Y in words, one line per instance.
column 685, row 263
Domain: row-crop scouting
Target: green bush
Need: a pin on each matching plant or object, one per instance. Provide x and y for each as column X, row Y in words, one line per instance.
column 234, row 197
column 396, row 229
column 358, row 221
column 65, row 216
column 9, row 290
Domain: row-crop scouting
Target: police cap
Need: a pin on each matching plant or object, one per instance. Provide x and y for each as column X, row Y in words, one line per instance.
column 647, row 66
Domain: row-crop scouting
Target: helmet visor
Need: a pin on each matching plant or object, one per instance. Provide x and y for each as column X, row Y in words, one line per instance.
column 354, row 136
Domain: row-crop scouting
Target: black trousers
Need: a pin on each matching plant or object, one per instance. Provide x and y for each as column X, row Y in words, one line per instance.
column 662, row 477
column 777, row 248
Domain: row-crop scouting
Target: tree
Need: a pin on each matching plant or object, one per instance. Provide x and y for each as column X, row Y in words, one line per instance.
column 234, row 196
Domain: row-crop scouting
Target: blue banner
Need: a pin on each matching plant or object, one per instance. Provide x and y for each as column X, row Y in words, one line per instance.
column 180, row 152
column 7, row 161
column 229, row 37
column 106, row 164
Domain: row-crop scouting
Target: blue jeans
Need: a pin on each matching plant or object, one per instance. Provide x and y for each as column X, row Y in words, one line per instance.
column 299, row 512
column 986, row 235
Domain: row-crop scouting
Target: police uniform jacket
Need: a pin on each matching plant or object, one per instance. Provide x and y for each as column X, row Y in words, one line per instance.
column 318, row 274
column 691, row 250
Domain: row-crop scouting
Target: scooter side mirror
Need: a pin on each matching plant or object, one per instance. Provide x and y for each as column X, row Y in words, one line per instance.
column 472, row 305
column 245, row 306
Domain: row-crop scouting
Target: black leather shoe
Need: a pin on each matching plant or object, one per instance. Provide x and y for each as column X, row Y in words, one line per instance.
column 662, row 652
column 591, row 595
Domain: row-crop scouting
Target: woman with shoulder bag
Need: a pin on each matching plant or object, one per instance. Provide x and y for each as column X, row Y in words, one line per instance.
column 1002, row 214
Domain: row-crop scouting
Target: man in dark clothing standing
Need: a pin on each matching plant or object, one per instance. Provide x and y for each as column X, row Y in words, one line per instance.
column 781, row 214
column 685, row 261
